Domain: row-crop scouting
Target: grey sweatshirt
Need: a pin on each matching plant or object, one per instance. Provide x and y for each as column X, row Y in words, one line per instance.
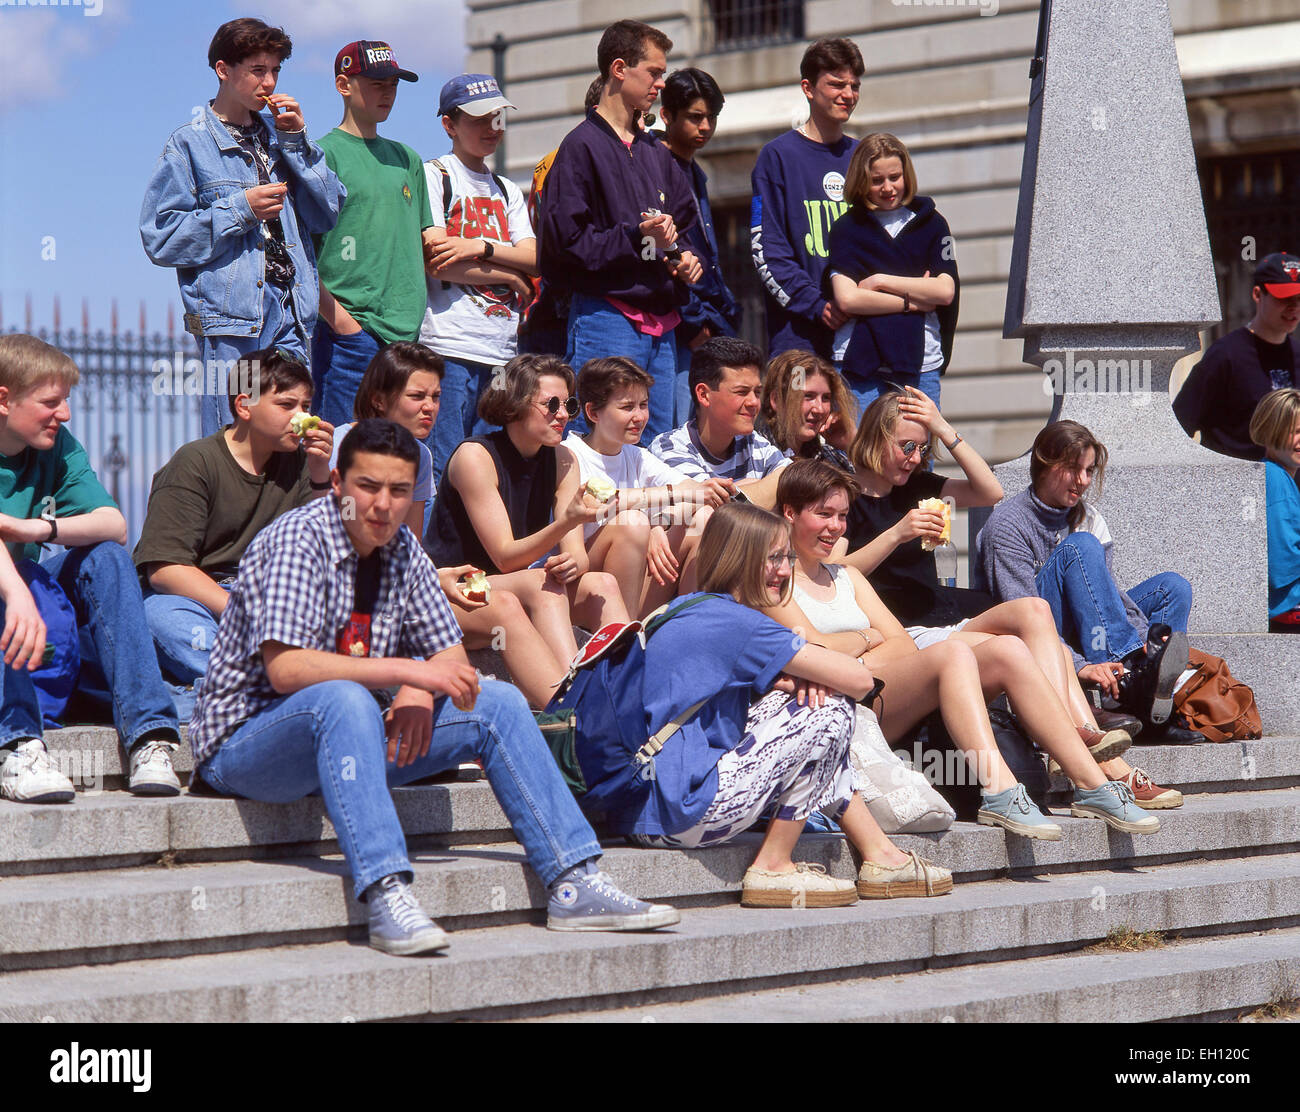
column 1019, row 536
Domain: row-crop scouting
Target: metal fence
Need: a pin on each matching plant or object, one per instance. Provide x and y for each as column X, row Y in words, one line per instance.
column 128, row 429
column 750, row 24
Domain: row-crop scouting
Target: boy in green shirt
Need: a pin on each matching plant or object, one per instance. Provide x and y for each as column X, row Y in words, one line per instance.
column 371, row 263
column 213, row 497
column 48, row 494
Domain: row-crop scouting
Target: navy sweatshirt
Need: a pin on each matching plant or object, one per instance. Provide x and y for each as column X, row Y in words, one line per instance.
column 798, row 188
column 709, row 303
column 595, row 194
column 860, row 246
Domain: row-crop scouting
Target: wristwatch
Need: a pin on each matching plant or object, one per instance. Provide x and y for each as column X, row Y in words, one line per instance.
column 488, row 249
column 48, row 515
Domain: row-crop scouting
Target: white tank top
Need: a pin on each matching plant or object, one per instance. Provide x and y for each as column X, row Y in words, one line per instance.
column 842, row 614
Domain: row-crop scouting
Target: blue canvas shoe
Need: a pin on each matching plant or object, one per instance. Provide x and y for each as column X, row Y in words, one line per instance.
column 397, row 924
column 591, row 902
column 1013, row 810
column 1113, row 803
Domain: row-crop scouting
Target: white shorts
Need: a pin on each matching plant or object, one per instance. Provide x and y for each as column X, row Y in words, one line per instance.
column 925, row 636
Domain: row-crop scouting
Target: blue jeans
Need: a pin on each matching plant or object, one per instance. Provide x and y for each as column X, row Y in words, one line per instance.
column 867, row 390
column 1087, row 606
column 682, row 400
column 119, row 670
column 597, row 329
column 329, row 737
column 462, row 383
column 184, row 631
column 337, row 364
column 280, row 329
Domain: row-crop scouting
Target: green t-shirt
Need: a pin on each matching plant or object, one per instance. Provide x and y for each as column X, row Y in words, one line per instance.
column 59, row 478
column 204, row 509
column 372, row 261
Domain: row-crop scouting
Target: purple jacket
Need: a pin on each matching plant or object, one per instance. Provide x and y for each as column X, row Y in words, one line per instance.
column 595, row 194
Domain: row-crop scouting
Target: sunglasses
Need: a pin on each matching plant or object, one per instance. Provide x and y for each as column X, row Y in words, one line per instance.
column 910, row 446
column 552, row 406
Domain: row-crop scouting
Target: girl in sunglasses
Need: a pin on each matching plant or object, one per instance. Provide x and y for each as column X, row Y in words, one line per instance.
column 884, row 542
column 511, row 503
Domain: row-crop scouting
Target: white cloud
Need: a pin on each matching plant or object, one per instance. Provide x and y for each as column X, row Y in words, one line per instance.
column 424, row 35
column 40, row 45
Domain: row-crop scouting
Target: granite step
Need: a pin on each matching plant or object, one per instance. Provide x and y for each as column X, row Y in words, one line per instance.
column 522, row 969
column 91, row 756
column 1215, row 978
column 115, row 829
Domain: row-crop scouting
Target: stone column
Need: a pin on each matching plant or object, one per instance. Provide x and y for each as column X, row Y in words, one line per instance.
column 1111, row 281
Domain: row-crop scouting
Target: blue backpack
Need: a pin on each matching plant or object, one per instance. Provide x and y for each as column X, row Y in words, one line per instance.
column 604, row 687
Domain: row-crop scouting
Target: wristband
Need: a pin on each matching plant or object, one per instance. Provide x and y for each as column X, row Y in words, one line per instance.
column 955, row 442
column 488, row 249
column 320, row 486
column 54, row 528
column 863, row 634
column 907, row 305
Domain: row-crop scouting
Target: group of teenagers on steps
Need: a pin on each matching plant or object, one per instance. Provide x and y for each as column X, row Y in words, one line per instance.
column 304, row 590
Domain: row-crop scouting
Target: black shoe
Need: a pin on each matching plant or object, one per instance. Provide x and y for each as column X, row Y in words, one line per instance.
column 1147, row 688
column 1108, row 720
column 1173, row 732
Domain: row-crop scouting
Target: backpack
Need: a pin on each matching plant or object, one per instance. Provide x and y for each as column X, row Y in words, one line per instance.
column 604, row 688
column 1215, row 703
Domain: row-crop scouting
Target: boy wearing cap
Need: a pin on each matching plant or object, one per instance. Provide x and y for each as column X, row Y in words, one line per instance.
column 231, row 205
column 1222, row 390
column 614, row 206
column 483, row 255
column 372, row 262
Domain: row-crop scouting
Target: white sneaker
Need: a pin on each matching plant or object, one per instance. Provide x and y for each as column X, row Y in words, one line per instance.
column 29, row 776
column 151, row 769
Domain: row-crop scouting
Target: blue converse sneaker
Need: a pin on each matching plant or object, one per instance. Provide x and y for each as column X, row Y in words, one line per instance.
column 1013, row 810
column 397, row 925
column 591, row 902
column 1113, row 802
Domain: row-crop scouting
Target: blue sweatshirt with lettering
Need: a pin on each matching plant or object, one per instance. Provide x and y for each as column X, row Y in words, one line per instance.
column 798, row 193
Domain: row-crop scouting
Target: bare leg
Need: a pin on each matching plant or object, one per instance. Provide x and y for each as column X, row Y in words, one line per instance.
column 504, row 625
column 547, row 604
column 865, row 835
column 620, row 549
column 1005, row 664
column 597, row 601
column 944, row 676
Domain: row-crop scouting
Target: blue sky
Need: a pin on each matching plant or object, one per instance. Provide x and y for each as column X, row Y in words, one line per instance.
column 87, row 101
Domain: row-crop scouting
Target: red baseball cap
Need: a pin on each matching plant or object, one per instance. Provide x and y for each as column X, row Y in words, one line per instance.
column 368, row 58
column 1279, row 274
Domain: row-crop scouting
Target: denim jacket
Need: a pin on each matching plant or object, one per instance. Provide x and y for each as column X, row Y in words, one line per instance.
column 196, row 218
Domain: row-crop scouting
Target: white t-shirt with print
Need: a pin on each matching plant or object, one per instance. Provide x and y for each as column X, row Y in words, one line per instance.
column 632, row 469
column 479, row 324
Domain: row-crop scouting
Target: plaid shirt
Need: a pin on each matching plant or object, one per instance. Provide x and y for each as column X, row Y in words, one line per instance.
column 296, row 586
column 751, row 457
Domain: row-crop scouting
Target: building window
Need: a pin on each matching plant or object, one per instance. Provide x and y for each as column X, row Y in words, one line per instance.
column 746, row 24
column 1252, row 208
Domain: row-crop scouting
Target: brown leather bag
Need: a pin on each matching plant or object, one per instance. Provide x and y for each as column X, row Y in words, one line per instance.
column 1215, row 703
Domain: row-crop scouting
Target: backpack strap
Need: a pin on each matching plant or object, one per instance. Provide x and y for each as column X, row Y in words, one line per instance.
column 646, row 754
column 446, row 201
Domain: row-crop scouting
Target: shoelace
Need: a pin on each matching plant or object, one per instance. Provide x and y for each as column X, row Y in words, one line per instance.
column 402, row 907
column 1141, row 778
column 1020, row 800
column 604, row 885
column 151, row 750
column 809, row 867
column 25, row 759
column 1121, row 790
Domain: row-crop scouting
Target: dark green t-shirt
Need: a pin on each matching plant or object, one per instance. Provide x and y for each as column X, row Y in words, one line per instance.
column 204, row 509
column 372, row 261
column 59, row 478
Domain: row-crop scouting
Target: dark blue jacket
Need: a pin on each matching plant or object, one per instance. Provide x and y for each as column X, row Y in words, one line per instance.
column 798, row 188
column 595, row 194
column 709, row 303
column 860, row 246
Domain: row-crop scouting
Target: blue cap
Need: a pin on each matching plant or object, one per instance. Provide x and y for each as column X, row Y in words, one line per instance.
column 474, row 93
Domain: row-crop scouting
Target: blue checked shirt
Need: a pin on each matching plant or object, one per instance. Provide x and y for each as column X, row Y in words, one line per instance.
column 751, row 457
column 296, row 586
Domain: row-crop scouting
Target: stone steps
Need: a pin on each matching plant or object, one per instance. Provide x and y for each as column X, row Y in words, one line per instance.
column 1218, row 977
column 515, row 970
